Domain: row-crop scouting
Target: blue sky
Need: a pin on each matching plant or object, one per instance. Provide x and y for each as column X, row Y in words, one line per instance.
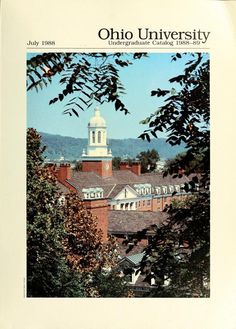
column 139, row 80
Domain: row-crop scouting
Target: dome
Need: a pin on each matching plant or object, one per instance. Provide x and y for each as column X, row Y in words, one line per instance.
column 97, row 120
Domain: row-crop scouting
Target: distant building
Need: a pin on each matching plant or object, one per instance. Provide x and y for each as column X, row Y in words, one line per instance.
column 103, row 189
column 124, row 201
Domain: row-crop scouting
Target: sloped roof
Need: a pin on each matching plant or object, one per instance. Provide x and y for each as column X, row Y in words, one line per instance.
column 120, row 178
column 62, row 188
column 134, row 259
column 121, row 222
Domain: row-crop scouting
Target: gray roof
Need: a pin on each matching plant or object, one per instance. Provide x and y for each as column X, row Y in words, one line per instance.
column 122, row 222
column 120, row 178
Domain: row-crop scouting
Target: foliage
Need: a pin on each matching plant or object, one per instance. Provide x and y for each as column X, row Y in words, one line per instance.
column 65, row 253
column 111, row 284
column 83, row 243
column 179, row 251
column 148, row 160
column 78, row 165
column 47, row 272
column 185, row 113
column 116, row 163
column 178, row 164
column 86, row 77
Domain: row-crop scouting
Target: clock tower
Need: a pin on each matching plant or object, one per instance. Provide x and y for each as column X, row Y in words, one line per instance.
column 97, row 157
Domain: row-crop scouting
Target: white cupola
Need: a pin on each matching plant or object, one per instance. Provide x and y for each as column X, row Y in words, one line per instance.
column 97, row 137
column 97, row 120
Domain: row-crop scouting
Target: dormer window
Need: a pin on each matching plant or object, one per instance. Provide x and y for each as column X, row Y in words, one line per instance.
column 164, row 189
column 93, row 192
column 177, row 188
column 171, row 188
column 158, row 190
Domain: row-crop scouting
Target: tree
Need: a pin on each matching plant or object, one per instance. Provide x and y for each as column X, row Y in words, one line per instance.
column 180, row 249
column 185, row 114
column 178, row 164
column 47, row 272
column 65, row 253
column 86, row 77
column 116, row 163
column 148, row 160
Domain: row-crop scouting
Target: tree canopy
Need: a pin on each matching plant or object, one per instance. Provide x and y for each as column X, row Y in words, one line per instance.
column 48, row 274
column 65, row 253
column 85, row 77
column 148, row 160
column 180, row 250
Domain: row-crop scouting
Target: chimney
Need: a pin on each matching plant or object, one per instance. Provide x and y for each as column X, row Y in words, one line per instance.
column 64, row 172
column 124, row 165
column 136, row 168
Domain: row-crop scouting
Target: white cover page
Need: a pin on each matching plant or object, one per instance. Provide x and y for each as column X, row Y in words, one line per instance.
column 153, row 27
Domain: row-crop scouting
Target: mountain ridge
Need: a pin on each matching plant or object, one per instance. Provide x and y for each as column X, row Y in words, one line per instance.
column 70, row 148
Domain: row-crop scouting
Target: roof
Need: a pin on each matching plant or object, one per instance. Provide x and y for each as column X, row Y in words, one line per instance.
column 135, row 259
column 62, row 188
column 120, row 178
column 122, row 222
column 97, row 120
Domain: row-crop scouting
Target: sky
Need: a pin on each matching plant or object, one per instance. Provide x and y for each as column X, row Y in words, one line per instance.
column 139, row 79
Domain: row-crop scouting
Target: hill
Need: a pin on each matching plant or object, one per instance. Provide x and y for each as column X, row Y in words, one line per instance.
column 71, row 148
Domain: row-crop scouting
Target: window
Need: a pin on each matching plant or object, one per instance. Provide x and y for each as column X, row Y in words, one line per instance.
column 177, row 188
column 144, row 203
column 93, row 137
column 171, row 187
column 99, row 137
column 148, row 202
column 125, row 193
column 164, row 189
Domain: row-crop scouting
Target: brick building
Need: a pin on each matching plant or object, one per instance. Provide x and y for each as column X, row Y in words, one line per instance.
column 104, row 190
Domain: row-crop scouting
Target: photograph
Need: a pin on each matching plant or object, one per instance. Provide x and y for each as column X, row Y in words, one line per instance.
column 118, row 174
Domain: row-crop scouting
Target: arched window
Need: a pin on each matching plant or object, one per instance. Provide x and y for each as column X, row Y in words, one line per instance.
column 99, row 137
column 93, row 137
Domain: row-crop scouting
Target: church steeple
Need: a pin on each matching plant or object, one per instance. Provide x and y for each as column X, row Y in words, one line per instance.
column 97, row 154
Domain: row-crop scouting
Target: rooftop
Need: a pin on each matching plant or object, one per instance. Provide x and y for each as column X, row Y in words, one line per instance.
column 121, row 222
column 120, row 178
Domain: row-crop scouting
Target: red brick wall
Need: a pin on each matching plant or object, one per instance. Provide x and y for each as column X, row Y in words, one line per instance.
column 124, row 166
column 144, row 205
column 99, row 167
column 99, row 208
column 135, row 167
